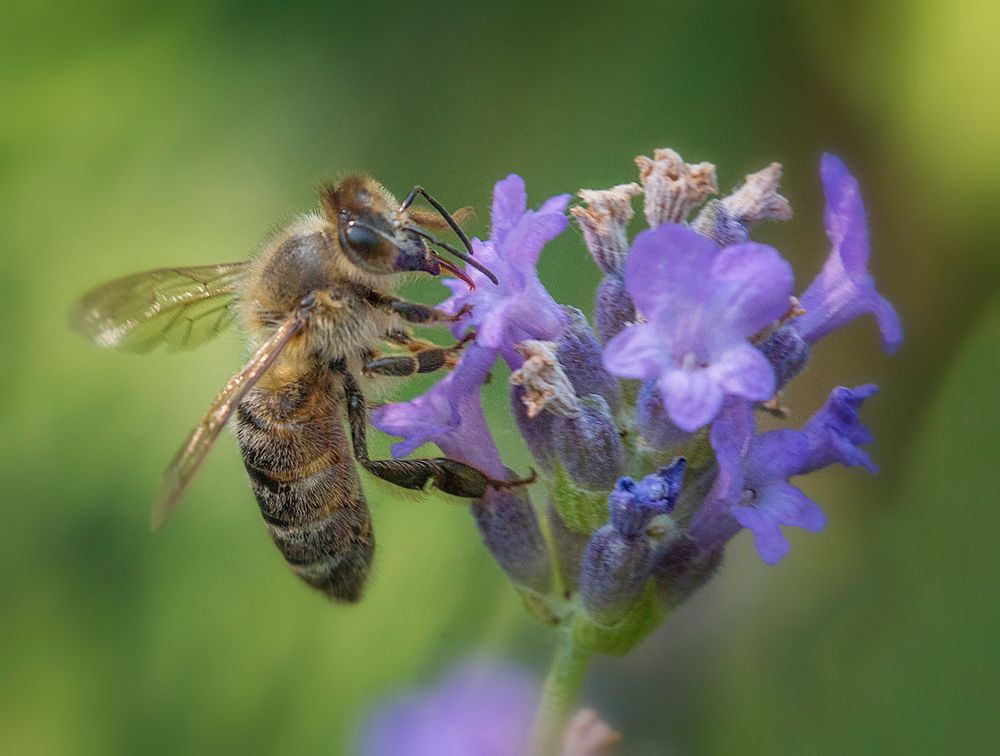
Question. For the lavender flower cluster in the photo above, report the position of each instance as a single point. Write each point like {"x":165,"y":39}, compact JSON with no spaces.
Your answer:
{"x":644,"y":424}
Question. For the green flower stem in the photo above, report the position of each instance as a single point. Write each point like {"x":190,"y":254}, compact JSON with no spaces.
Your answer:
{"x":560,"y":692}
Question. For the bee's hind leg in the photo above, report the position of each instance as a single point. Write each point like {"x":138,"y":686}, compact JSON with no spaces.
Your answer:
{"x":447,"y":475}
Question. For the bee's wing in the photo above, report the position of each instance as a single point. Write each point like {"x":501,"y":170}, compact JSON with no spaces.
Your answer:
{"x":190,"y":456}
{"x":181,"y":307}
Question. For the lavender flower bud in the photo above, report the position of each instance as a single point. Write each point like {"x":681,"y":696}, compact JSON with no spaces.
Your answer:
{"x":682,"y":567}
{"x":632,"y":505}
{"x":714,"y":222}
{"x":589,"y":446}
{"x":510,"y":530}
{"x":614,"y":572}
{"x":613,"y":307}
{"x":536,"y":430}
{"x":618,"y":559}
{"x":604,"y":222}
{"x":787,"y":352}
{"x":539,"y":384}
{"x":579,"y":355}
{"x":673,"y":187}
{"x":728,"y":221}
{"x":656,"y":428}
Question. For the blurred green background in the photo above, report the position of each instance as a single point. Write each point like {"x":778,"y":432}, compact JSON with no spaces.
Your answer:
{"x":182,"y":133}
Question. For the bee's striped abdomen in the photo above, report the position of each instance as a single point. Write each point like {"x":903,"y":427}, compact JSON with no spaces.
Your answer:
{"x":297,"y":455}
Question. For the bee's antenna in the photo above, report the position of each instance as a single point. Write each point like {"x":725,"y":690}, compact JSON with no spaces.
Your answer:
{"x":468,"y":260}
{"x":440,"y":208}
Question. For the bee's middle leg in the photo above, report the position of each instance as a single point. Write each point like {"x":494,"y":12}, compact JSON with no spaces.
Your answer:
{"x":424,"y":357}
{"x":448,"y":475}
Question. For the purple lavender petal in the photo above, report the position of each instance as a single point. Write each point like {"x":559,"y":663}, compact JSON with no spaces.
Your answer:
{"x":778,"y":504}
{"x":666,"y":266}
{"x":636,"y":352}
{"x":524,"y":242}
{"x":557,"y":204}
{"x":420,"y":421}
{"x":835,"y":431}
{"x":776,"y":455}
{"x":758,"y":282}
{"x":790,"y":506}
{"x":744,"y":371}
{"x":631,"y":504}
{"x":844,"y":289}
{"x":692,"y":398}
{"x":772,"y":546}
{"x":510,"y":201}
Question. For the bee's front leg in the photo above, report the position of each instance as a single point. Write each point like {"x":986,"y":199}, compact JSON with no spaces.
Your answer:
{"x":412,"y":312}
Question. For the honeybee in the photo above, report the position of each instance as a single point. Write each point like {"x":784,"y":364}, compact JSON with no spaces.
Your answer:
{"x":315,"y":303}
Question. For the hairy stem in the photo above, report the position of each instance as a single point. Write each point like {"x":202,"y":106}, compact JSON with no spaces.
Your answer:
{"x":560,"y":692}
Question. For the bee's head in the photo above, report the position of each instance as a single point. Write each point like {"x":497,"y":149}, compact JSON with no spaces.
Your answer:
{"x":375,"y":233}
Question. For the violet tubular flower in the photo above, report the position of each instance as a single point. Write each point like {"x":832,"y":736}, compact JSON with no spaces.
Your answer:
{"x":450,"y":415}
{"x":845,"y":289}
{"x":701,"y":306}
{"x":520,"y":307}
{"x":752,"y":489}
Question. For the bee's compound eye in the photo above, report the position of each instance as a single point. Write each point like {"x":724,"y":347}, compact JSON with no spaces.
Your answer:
{"x":362,"y":239}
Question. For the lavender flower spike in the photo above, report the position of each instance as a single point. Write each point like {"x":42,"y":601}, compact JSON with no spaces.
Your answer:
{"x":520,"y":307}
{"x":701,"y":306}
{"x":844,"y":289}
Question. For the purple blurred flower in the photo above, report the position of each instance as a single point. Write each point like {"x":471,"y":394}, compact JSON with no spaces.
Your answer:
{"x":450,"y":415}
{"x":484,"y":709}
{"x":701,"y":306}
{"x":844,"y":289}
{"x":520,"y":307}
